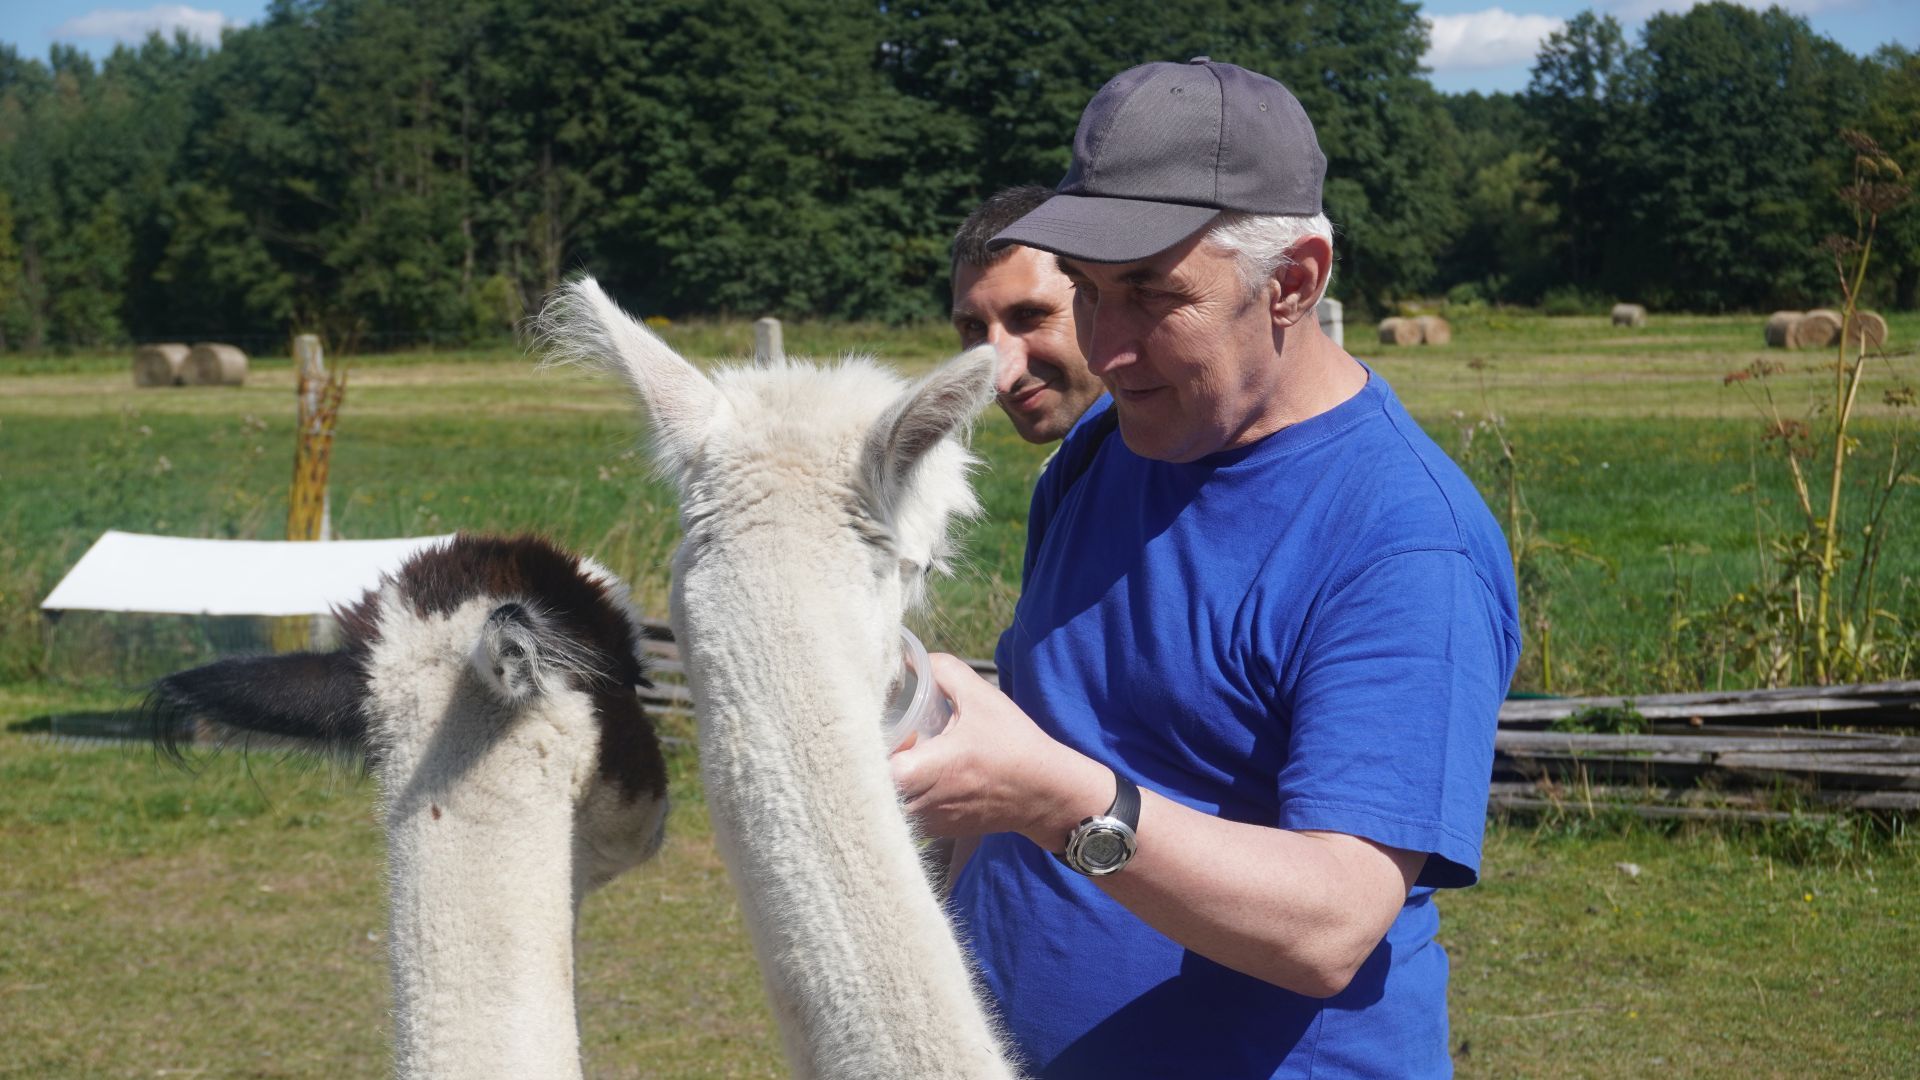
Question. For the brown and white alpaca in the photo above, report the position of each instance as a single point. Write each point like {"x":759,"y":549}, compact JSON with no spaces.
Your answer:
{"x":491,"y":686}
{"x":813,"y":503}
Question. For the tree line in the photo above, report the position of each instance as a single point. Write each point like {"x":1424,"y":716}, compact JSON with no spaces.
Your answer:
{"x":429,"y":169}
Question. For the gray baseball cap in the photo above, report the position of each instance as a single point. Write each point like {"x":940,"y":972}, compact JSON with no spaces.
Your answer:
{"x":1162,"y":149}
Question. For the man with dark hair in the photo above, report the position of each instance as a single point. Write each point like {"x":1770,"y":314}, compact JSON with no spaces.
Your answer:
{"x":1247,"y":701}
{"x":1016,"y":298}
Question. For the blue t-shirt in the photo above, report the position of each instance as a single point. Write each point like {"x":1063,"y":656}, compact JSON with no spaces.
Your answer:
{"x":1311,"y":632}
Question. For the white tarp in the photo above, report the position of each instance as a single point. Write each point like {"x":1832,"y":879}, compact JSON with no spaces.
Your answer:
{"x":181,"y":576}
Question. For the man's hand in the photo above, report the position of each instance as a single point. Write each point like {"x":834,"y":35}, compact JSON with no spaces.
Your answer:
{"x":993,"y":769}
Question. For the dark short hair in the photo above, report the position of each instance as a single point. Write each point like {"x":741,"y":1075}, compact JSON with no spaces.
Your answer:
{"x":997,"y":212}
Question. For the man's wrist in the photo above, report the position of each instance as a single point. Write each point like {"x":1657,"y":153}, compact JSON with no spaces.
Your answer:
{"x":1077,"y":787}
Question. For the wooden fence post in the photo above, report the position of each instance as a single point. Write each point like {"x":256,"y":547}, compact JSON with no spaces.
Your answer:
{"x":309,"y":508}
{"x":310,"y":365}
{"x":768,"y":349}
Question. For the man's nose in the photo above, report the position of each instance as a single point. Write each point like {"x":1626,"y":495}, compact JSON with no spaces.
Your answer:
{"x":1013,"y":358}
{"x":1106,"y":340}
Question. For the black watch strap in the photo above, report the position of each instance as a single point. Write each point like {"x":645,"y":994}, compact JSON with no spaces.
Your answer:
{"x":1126,"y":801}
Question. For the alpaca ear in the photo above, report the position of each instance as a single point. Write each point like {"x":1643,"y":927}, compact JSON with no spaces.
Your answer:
{"x":313,"y":696}
{"x":507,"y":656}
{"x":582,"y":325}
{"x":932,"y":409}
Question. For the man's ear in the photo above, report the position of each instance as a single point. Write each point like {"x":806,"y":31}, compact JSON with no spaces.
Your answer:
{"x":1296,"y":287}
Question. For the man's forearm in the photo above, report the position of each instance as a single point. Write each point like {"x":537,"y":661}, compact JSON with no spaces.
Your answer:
{"x":1301,"y":910}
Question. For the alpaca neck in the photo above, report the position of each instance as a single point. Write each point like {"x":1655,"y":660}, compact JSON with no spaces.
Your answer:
{"x":860,"y":961}
{"x":483,"y":904}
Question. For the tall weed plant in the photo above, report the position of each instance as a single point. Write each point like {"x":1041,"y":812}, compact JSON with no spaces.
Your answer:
{"x":1818,"y":611}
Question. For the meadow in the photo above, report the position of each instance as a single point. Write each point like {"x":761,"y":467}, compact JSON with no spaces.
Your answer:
{"x":228,"y":922}
{"x":1644,"y":477}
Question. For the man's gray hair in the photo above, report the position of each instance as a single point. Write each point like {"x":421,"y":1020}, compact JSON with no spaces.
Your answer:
{"x":1263,"y":243}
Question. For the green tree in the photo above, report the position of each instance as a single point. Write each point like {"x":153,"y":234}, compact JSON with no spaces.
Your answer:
{"x":760,"y":197}
{"x":87,"y":155}
{"x":1581,"y":102}
{"x":1734,"y":184}
{"x":1505,"y":247}
{"x":1017,"y":73}
{"x":556,"y":134}
{"x":1894,"y":119}
{"x":1509,"y":216}
{"x":146,"y":114}
{"x":89,"y":277}
{"x":9,"y":266}
{"x":217,"y":273}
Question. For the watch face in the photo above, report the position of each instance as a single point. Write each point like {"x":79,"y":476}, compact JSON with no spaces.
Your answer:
{"x":1103,"y":848}
{"x":1100,"y":846}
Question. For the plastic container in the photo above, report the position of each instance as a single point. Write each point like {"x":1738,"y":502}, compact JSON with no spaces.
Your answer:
{"x":917,"y":710}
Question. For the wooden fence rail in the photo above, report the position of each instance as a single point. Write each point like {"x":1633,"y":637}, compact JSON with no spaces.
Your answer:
{"x":1732,"y":754}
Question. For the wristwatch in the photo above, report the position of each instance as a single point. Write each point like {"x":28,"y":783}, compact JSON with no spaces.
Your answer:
{"x":1102,"y":844}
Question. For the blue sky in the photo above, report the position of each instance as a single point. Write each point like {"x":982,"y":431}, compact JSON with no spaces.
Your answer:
{"x":1477,"y":45}
{"x":1484,"y":46}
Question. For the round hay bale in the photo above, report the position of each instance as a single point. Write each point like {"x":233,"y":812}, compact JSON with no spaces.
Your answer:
{"x":1434,"y":330}
{"x":212,"y":364}
{"x":159,"y":365}
{"x":1868,"y":325}
{"x":1629,"y":315}
{"x":1397,"y":331}
{"x":1780,"y":328}
{"x":1817,"y":330}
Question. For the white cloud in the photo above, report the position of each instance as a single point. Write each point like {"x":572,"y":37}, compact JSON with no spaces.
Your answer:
{"x":1487,"y":39}
{"x":133,"y":26}
{"x":1634,"y":12}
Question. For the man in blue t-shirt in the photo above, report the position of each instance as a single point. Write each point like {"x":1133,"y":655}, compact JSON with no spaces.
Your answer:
{"x":1248,"y":699}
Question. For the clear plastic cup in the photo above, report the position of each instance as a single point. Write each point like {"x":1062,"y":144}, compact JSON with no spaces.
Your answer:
{"x":917,"y":710}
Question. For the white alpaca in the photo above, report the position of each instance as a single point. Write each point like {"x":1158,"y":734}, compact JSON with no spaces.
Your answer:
{"x":813,"y":503}
{"x":491,"y":685}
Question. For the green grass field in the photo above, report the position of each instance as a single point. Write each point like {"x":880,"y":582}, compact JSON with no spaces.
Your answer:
{"x":1631,"y":451}
{"x":229,"y":923}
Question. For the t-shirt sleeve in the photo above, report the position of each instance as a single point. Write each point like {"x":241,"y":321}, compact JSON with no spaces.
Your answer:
{"x":1394,"y":703}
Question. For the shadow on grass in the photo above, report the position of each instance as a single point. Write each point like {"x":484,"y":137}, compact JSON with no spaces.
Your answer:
{"x":94,"y":724}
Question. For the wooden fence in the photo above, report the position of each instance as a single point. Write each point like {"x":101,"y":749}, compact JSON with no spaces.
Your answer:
{"x":1737,"y":754}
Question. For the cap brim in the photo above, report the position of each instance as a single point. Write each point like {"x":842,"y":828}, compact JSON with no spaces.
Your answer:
{"x":1103,"y":230}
